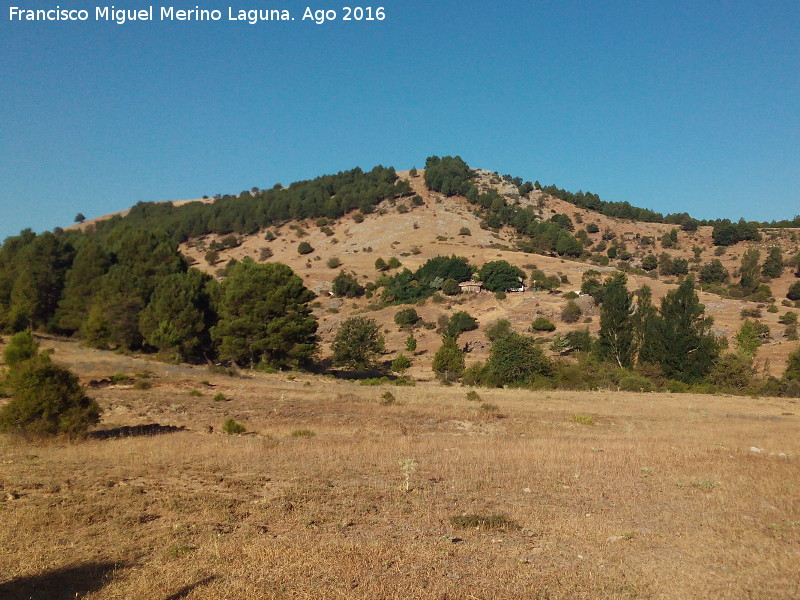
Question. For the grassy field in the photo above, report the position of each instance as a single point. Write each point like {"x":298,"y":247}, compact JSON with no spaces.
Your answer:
{"x":335,"y":492}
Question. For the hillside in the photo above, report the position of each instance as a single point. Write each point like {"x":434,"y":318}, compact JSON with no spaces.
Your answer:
{"x":432,"y":229}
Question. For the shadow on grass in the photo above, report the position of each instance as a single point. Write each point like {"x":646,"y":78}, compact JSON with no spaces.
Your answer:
{"x":133,"y":431}
{"x":186,"y":590}
{"x":66,"y":583}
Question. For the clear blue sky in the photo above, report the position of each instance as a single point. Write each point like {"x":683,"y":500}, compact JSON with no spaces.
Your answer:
{"x":676,"y":106}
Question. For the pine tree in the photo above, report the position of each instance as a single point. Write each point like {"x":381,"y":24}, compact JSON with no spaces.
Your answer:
{"x":177,"y":320}
{"x":264,"y":317}
{"x":448,"y":362}
{"x":645,"y":327}
{"x":685,"y":348}
{"x":773,"y":264}
{"x":615,"y":342}
{"x":749,"y":271}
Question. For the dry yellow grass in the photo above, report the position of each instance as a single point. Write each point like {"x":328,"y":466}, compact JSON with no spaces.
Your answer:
{"x":660,"y":498}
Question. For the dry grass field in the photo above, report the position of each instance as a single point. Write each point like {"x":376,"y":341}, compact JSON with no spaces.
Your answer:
{"x":333,"y":492}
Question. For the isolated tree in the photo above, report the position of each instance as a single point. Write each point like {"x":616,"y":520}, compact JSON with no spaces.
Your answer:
{"x":304,"y":248}
{"x":615,"y":342}
{"x":79,"y":218}
{"x":46,"y":400}
{"x":571,"y":312}
{"x":516,"y":359}
{"x":358,"y":343}
{"x":448,"y":362}
{"x":792,"y":372}
{"x":345,"y":285}
{"x":406,"y":318}
{"x":264,"y":317}
{"x":749,"y":271}
{"x":380,"y":265}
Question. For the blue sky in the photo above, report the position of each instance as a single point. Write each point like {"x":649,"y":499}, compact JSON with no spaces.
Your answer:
{"x":676,"y":106}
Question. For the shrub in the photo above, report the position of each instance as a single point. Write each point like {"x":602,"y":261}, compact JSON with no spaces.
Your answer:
{"x":345,"y":285}
{"x":401,"y":363}
{"x":358,"y":218}
{"x":794,"y":291}
{"x":47,"y":400}
{"x":464,"y":231}
{"x":500,"y":295}
{"x":635,"y":383}
{"x":571,"y":312}
{"x":305,"y":248}
{"x":388,"y":398}
{"x":583,"y":419}
{"x":334,"y":262}
{"x":458,"y":323}
{"x":358,"y":343}
{"x":498,"y":329}
{"x":21,"y":347}
{"x":755,"y":313}
{"x":302,"y":433}
{"x":232,"y":427}
{"x":473,"y":396}
{"x":450,"y":287}
{"x":220,"y":397}
{"x":448,"y":362}
{"x":406,"y":317}
{"x":411,"y":343}
{"x":485,"y":522}
{"x":542,"y":324}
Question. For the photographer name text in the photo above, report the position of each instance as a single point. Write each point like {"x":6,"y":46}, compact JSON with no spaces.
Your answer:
{"x":121,"y":16}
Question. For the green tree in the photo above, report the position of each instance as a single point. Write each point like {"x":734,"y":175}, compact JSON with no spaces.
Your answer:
{"x":500,"y":275}
{"x":714,"y":272}
{"x":264,"y":317}
{"x":773,"y":265}
{"x":406,"y":317}
{"x":749,"y":271}
{"x":358,"y":343}
{"x":91,"y":262}
{"x":345,"y":285}
{"x":450,"y":287}
{"x":47,"y":400}
{"x":794,"y":291}
{"x":448,"y":362}
{"x":792,"y":372}
{"x":571,"y":312}
{"x":304,"y":248}
{"x":401,"y":363}
{"x":178,"y":318}
{"x":21,"y":347}
{"x":616,"y":341}
{"x":542,"y":324}
{"x":649,"y":262}
{"x":750,"y":337}
{"x":411,"y":343}
{"x":645,"y":327}
{"x":516,"y":359}
{"x":79,"y":218}
{"x":458,"y":323}
{"x":685,"y":348}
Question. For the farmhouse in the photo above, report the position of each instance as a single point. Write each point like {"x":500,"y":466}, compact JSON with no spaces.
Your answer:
{"x":471,"y":286}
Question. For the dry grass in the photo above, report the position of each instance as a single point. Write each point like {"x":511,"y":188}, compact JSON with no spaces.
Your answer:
{"x":660,"y":498}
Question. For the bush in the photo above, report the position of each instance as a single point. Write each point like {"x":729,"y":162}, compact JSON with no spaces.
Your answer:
{"x":794,"y":291}
{"x":542,"y":324}
{"x":450,"y":287}
{"x":21,"y":347}
{"x":358,"y":343}
{"x":406,"y":317}
{"x":458,"y":323}
{"x":401,"y":363}
{"x":345,"y":285}
{"x":334,"y":262}
{"x":305,"y":248}
{"x":635,"y":383}
{"x":571,"y":312}
{"x":411,"y":343}
{"x":47,"y":400}
{"x":232,"y":427}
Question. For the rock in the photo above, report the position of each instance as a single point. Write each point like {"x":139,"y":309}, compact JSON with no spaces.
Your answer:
{"x":756,"y":449}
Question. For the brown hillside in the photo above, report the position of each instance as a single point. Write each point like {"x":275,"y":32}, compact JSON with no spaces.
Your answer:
{"x":433,"y":229}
